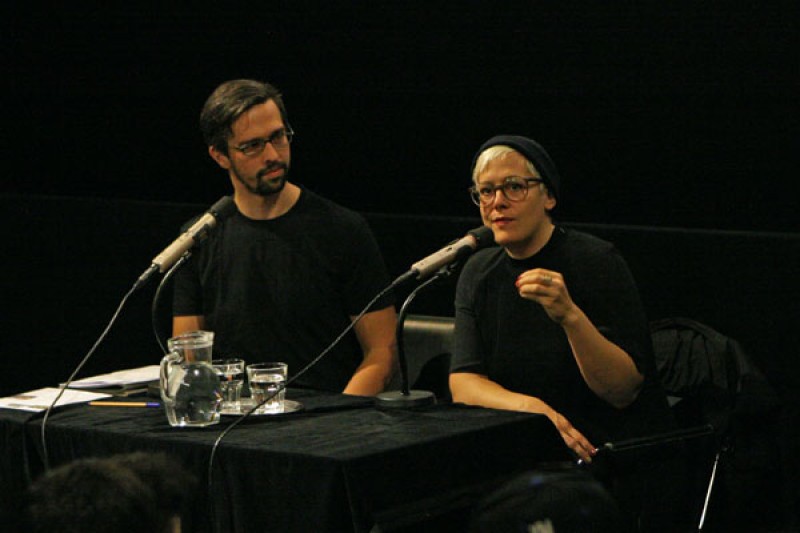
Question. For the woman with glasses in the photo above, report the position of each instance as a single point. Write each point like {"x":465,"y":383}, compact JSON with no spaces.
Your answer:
{"x":550,"y":321}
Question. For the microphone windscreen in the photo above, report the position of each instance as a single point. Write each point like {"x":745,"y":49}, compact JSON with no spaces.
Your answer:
{"x":223,"y":208}
{"x":483,"y":236}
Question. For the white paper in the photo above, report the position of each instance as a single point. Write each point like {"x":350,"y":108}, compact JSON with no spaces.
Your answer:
{"x":40,"y":399}
{"x":120,"y":378}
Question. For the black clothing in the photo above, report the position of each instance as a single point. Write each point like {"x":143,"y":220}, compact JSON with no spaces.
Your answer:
{"x":513,"y":342}
{"x":284,"y":289}
{"x":533,"y":152}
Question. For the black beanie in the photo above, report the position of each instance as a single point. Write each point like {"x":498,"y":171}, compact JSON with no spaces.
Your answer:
{"x":534,"y":153}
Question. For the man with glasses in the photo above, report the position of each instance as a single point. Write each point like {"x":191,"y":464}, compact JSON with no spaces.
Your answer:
{"x":550,"y":321}
{"x":283,"y":277}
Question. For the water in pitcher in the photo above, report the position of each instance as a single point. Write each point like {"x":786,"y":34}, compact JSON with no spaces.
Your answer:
{"x":189,"y":386}
{"x":197,"y":399}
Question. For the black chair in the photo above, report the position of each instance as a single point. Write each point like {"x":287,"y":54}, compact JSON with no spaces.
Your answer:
{"x":712,"y":383}
{"x":721,"y":403}
{"x":428,"y":343}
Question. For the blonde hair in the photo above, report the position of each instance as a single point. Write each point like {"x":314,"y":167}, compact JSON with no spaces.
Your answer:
{"x":496,"y":152}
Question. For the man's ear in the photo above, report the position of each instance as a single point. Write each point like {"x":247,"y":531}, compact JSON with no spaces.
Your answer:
{"x":222,"y":159}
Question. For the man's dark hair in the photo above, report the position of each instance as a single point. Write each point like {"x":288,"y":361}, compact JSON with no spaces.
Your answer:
{"x":560,"y":499}
{"x":170,"y":483}
{"x":228,"y":102}
{"x":136,"y":492}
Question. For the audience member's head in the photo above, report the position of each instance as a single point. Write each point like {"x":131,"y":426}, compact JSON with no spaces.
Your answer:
{"x":559,"y":501}
{"x":137,"y":492}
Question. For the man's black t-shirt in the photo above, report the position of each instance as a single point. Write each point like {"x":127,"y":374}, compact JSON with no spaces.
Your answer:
{"x":284,"y":289}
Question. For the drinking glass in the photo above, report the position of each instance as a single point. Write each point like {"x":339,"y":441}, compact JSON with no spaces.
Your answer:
{"x":231,"y":381}
{"x":264,"y":380}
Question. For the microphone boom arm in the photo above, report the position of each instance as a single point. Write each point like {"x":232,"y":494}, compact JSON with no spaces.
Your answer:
{"x":401,"y":319}
{"x":407,"y":397}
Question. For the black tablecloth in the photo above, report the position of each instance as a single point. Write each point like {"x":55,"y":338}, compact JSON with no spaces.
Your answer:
{"x":340,"y":464}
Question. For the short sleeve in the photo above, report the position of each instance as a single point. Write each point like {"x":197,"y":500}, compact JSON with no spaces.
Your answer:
{"x":467,"y":350}
{"x":367,"y":274}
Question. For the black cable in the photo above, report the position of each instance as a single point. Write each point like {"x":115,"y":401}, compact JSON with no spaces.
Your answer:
{"x":302,"y":371}
{"x":63,"y":387}
{"x":156,"y":297}
{"x":225,"y":206}
{"x":139,"y":283}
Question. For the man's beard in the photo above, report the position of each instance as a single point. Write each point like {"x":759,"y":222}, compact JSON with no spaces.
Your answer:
{"x":266,"y":187}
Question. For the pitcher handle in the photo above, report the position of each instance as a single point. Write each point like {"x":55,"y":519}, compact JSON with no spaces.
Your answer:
{"x":167,"y":361}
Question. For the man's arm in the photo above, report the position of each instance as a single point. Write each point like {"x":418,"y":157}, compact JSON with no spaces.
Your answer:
{"x":477,"y":389}
{"x":182,"y":324}
{"x":376,"y":334}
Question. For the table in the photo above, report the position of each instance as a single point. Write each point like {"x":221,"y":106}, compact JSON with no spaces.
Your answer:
{"x":338,"y":465}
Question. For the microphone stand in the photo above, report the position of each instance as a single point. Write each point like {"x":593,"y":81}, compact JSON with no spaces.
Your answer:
{"x":154,"y":308}
{"x":406,"y":398}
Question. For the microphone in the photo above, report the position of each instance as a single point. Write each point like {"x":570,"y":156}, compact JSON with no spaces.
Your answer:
{"x":474,"y":240}
{"x":197,"y":233}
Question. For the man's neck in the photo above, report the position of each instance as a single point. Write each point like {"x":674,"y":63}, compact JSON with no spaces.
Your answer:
{"x":257,"y":207}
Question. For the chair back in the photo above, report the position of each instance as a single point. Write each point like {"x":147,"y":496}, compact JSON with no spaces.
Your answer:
{"x":710,"y":379}
{"x":427,"y":345}
{"x":708,"y":375}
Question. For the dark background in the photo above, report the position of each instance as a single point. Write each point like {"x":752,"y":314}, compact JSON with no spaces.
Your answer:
{"x":674,"y":125}
{"x":680,"y":115}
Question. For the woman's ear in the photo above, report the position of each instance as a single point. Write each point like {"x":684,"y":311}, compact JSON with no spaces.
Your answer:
{"x":550,"y":202}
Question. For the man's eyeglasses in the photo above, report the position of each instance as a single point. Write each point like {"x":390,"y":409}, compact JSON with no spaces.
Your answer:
{"x":280,"y":139}
{"x":514,"y":188}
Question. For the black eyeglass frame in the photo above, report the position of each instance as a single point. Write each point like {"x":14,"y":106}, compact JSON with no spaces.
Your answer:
{"x":475,"y":192}
{"x":254,"y":147}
